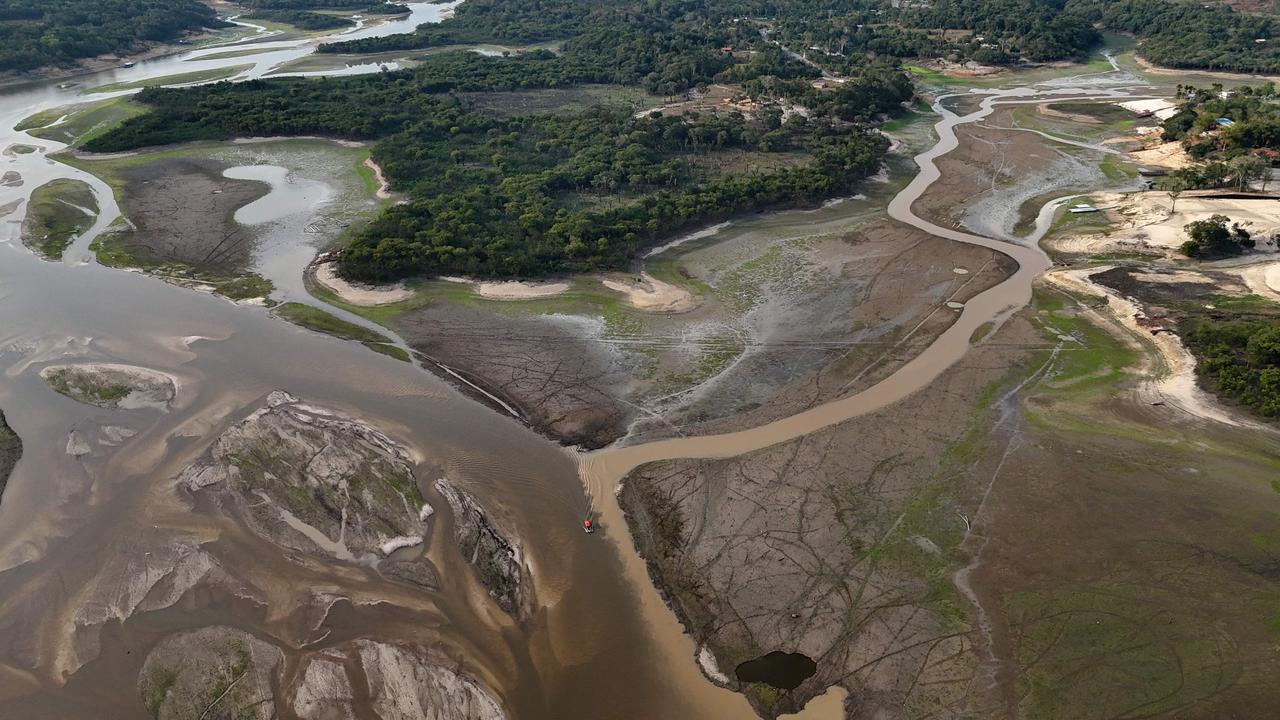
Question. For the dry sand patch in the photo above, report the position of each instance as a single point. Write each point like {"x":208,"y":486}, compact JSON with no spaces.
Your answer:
{"x":357,"y":293}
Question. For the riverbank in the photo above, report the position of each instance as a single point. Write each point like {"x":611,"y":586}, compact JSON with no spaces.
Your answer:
{"x":942,"y":502}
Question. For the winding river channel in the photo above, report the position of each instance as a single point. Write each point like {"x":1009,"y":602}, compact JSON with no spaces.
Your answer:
{"x":603,"y":645}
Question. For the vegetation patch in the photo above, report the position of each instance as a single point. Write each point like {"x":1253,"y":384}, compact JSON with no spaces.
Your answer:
{"x":35,"y":33}
{"x":1238,"y":356}
{"x":86,"y":387}
{"x":197,"y":76}
{"x":321,"y":321}
{"x":58,"y":212}
{"x":10,"y":451}
{"x":389,"y":350}
{"x":568,"y":101}
{"x":91,"y":121}
{"x":41,"y":119}
{"x":301,"y":19}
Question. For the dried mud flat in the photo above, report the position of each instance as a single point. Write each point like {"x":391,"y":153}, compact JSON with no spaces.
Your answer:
{"x":872,"y":296}
{"x":545,"y":367}
{"x":834,"y":545}
{"x":180,"y":210}
{"x":920,"y":554}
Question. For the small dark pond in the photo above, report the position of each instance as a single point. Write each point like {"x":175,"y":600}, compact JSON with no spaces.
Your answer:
{"x":782,"y":670}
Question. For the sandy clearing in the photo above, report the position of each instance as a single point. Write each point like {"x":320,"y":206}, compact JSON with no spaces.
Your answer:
{"x":1145,"y":223}
{"x":1262,"y":214}
{"x":966,"y":70}
{"x":1170,"y":155}
{"x":384,"y":188}
{"x":1175,"y":383}
{"x":518,"y":290}
{"x":362,"y":295}
{"x":707,"y":660}
{"x":651,"y":294}
{"x":1262,"y":279}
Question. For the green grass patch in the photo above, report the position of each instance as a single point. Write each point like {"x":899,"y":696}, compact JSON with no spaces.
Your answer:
{"x":981,"y":332}
{"x":113,"y":249}
{"x":1117,"y":170}
{"x":935,"y":77}
{"x":41,"y":119}
{"x":1104,"y":112}
{"x":1112,"y":647}
{"x":55,"y":216}
{"x":900,"y":123}
{"x":197,"y":76}
{"x":389,"y":350}
{"x":246,"y":287}
{"x":89,"y":122}
{"x":232,"y":54}
{"x":1090,"y":359}
{"x":163,"y":679}
{"x":560,"y":100}
{"x":321,"y":321}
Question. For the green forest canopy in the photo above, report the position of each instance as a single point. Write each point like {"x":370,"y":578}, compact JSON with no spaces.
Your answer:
{"x":837,"y":33}
{"x":1239,"y":357}
{"x":521,"y":195}
{"x":302,"y":19}
{"x":35,"y":33}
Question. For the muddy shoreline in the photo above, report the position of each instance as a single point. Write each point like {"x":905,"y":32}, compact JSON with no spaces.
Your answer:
{"x":10,"y":452}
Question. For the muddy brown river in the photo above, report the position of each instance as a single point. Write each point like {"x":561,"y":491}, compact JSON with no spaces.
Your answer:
{"x":601,"y":644}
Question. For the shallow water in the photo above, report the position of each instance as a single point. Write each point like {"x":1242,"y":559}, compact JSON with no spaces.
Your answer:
{"x":61,"y":513}
{"x":782,"y":670}
{"x":603,"y":638}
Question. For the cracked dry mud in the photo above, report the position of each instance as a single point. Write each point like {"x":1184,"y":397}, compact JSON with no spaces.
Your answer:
{"x":835,"y":545}
{"x":312,"y":480}
{"x":869,"y":297}
{"x":180,"y":211}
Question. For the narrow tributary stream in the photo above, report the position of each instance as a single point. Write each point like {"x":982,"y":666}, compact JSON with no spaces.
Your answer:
{"x":602,"y":471}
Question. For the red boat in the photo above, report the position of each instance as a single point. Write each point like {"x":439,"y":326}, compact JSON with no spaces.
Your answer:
{"x":586,"y":526}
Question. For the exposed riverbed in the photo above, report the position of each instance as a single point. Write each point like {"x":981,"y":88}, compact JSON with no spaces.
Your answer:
{"x":599,"y":637}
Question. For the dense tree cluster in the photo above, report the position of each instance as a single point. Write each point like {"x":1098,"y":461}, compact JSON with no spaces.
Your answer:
{"x":530,"y":195}
{"x":500,"y":21}
{"x":34,"y":33}
{"x":1216,"y":237}
{"x":302,"y":19}
{"x":1240,"y":359}
{"x":489,"y":201}
{"x":1184,"y":34}
{"x":514,"y":196}
{"x":352,"y":5}
{"x":1236,"y":134}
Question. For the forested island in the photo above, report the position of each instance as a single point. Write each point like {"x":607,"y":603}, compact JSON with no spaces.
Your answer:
{"x":36,"y":33}
{"x":530,"y":195}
